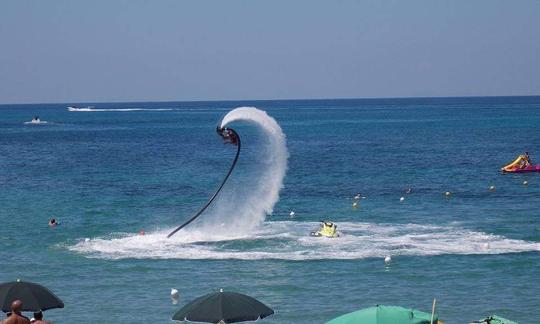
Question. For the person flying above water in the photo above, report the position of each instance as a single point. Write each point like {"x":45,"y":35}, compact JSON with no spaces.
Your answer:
{"x":228,"y":135}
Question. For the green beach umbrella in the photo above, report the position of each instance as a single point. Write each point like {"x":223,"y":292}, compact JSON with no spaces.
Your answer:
{"x":381,"y":314}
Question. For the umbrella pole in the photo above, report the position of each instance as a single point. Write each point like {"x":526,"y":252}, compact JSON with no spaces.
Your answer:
{"x":433,"y":310}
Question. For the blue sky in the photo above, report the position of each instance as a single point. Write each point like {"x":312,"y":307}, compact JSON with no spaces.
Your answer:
{"x":132,"y":50}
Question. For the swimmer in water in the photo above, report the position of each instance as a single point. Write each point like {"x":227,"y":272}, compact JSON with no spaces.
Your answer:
{"x":53,"y":222}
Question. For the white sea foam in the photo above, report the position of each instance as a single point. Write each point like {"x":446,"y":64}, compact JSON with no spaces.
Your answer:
{"x":289,"y":240}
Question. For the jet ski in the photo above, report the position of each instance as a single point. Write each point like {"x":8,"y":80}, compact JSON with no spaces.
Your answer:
{"x":35,"y":121}
{"x":327,"y":229}
{"x":521,"y":164}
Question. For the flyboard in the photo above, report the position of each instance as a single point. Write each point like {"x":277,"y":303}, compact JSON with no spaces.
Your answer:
{"x":263,"y":190}
{"x":229,"y":135}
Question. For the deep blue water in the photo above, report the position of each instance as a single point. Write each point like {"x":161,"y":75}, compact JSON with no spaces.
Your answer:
{"x":107,"y":175}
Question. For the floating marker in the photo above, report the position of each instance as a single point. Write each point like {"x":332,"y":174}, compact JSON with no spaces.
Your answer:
{"x":174,"y":293}
{"x":448,"y":194}
{"x":402,"y":199}
{"x":292,"y":214}
{"x":388,"y":259}
{"x":492,"y":188}
{"x":525,"y":182}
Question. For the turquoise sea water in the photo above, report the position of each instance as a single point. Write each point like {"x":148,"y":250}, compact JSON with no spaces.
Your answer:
{"x":106,"y":175}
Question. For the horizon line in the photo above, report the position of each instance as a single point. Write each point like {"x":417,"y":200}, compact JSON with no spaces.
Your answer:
{"x":277,"y":99}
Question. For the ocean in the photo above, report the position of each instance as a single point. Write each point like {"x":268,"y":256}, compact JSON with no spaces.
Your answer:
{"x":121,"y":168}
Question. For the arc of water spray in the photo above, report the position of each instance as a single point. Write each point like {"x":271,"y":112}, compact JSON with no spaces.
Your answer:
{"x":231,"y":136}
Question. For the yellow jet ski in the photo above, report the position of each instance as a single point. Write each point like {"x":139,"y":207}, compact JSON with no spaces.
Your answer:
{"x":327,"y":229}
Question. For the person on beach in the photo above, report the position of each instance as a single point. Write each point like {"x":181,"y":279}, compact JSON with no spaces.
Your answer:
{"x":38,"y":319}
{"x":16,"y":317}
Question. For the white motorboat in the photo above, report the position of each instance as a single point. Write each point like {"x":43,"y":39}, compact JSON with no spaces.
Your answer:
{"x":75,"y":108}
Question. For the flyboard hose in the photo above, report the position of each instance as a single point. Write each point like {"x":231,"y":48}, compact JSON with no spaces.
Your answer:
{"x":229,"y":135}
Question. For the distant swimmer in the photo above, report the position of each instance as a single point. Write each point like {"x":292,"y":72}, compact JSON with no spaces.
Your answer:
{"x":359,"y":196}
{"x":408,"y":190}
{"x":53,"y":222}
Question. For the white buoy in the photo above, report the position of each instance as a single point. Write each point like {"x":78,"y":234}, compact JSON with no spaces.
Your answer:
{"x":174,"y":293}
{"x":402,"y":199}
{"x":87,"y":239}
{"x":525,"y":182}
{"x":387,"y":259}
{"x":448,"y":194}
{"x":291,"y":214}
{"x":491,"y":188}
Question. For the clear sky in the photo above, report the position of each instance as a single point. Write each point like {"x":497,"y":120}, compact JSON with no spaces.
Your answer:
{"x":133,"y":50}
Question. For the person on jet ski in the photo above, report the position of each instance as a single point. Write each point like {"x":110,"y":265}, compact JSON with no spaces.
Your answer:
{"x":327,"y":229}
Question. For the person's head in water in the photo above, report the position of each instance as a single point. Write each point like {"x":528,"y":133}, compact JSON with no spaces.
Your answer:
{"x":16,"y":306}
{"x":52,"y":222}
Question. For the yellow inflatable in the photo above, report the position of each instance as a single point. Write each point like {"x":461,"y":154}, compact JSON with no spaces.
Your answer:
{"x":520,"y":162}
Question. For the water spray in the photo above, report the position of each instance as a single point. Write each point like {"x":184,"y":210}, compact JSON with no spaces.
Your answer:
{"x":229,"y":135}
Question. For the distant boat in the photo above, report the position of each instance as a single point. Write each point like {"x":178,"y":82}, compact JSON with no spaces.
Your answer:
{"x":75,"y":108}
{"x":35,"y":121}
